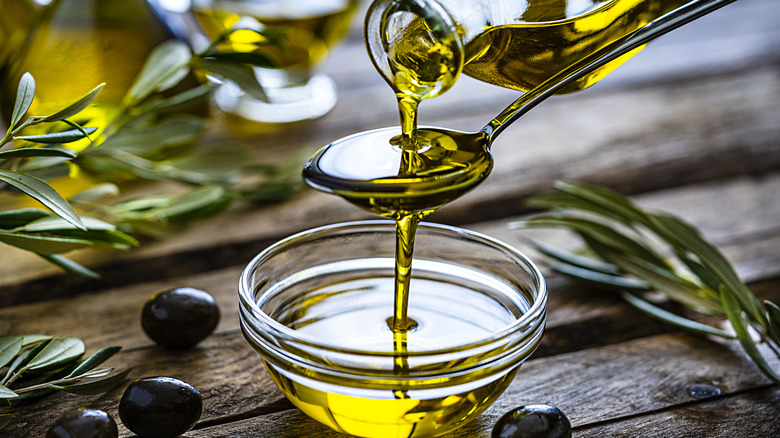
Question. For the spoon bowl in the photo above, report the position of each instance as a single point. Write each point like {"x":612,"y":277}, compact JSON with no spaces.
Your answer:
{"x":373,"y":170}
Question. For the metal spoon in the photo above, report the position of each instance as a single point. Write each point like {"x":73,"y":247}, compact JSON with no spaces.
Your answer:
{"x":364,"y":168}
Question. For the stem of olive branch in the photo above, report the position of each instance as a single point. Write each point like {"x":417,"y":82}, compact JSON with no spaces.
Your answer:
{"x":67,"y":381}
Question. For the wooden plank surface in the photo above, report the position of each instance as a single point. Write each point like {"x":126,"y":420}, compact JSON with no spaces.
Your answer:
{"x":589,"y":334}
{"x":690,"y":126}
{"x":704,"y":121}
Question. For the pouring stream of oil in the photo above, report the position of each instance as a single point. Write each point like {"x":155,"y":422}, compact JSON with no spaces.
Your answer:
{"x":408,"y":175}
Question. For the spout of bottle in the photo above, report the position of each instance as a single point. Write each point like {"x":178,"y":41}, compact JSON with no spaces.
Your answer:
{"x":415,"y":45}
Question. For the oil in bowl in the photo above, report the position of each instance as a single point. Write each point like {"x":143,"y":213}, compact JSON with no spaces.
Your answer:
{"x":316,"y":307}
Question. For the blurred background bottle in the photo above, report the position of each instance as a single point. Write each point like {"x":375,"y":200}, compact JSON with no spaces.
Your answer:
{"x":299,"y":35}
{"x":74,"y":45}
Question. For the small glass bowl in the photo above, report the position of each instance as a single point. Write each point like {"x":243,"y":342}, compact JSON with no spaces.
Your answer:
{"x":315,"y":307}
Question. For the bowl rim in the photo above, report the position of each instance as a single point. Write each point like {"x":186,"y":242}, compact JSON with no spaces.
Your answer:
{"x":532,"y":320}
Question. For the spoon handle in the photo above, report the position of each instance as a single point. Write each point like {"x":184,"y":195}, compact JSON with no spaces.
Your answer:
{"x":666,"y":23}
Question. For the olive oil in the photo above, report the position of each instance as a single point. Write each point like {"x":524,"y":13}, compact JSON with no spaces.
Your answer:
{"x":79,"y":44}
{"x":552,"y":34}
{"x":300,"y":33}
{"x":348,"y":312}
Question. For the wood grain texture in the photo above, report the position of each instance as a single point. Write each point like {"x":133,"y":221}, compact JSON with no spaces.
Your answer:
{"x":657,"y":126}
{"x":590,"y":333}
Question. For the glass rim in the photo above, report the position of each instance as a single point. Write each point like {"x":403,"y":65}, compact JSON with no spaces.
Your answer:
{"x":533,"y":319}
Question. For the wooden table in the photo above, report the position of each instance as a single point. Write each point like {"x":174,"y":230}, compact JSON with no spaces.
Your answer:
{"x":690,"y":126}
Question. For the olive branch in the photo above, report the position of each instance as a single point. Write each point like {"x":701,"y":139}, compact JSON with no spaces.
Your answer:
{"x":635,"y":251}
{"x":155,"y":137}
{"x":34,"y":366}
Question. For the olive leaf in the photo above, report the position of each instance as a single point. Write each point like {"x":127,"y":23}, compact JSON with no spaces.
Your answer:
{"x":68,"y":136}
{"x":619,"y":234}
{"x":43,"y":244}
{"x":16,"y":218}
{"x":68,"y":265}
{"x":76,"y":107}
{"x":242,"y":75}
{"x":732,"y":308}
{"x":94,"y":360}
{"x":42,"y":192}
{"x":98,"y":385}
{"x":5,"y":419}
{"x":6,"y":393}
{"x":37,"y":152}
{"x":56,"y":365}
{"x":58,"y":352}
{"x":21,"y":360}
{"x":9,"y":348}
{"x":165,"y":66}
{"x":24,"y":97}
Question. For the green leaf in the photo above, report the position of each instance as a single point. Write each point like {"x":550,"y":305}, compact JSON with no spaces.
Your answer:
{"x":573,"y":259}
{"x":22,"y":359}
{"x":56,"y":223}
{"x":167,"y":64}
{"x":58,"y":352}
{"x":604,"y":201}
{"x":152,"y":141}
{"x":68,"y":265}
{"x":599,"y":278}
{"x":5,"y":419}
{"x":76,"y":107}
{"x":734,"y":314}
{"x":24,"y":98}
{"x":6,"y":393}
{"x":33,"y":339}
{"x":43,"y":193}
{"x":96,"y":193}
{"x":676,"y":288}
{"x":96,"y":359}
{"x":10,"y":346}
{"x":599,"y":232}
{"x":97,"y":386}
{"x":43,"y":244}
{"x":198,"y":202}
{"x":685,"y":237}
{"x":17,"y":218}
{"x":673,"y":318}
{"x":773,"y":313}
{"x":37,"y":152}
{"x":243,"y":76}
{"x":178,"y":99}
{"x":68,"y":136}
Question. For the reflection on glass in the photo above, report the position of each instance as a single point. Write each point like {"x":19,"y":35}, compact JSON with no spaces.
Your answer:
{"x":296,"y":36}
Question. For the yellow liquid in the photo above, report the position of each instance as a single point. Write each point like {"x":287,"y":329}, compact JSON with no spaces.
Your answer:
{"x":77,"y":46}
{"x":409,"y":174}
{"x":348,"y":311}
{"x":553,"y":34}
{"x":303,"y":31}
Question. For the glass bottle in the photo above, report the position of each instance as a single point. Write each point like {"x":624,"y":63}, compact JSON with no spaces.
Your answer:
{"x":16,"y":16}
{"x":78,"y":44}
{"x":298,"y":36}
{"x":515,"y":44}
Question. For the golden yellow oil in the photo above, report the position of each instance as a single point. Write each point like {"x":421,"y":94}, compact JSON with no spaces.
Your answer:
{"x":549,"y":37}
{"x":349,"y":311}
{"x":370,"y":171}
{"x":302,"y":31}
{"x":15,"y":20}
{"x":79,"y":44}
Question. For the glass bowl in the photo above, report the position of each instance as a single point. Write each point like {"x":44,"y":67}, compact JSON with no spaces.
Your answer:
{"x":315,"y":307}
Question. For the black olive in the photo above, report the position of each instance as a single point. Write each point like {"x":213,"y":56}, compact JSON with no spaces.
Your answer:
{"x":179,"y":318}
{"x":160,"y":407}
{"x":84,"y":423}
{"x":533,"y":421}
